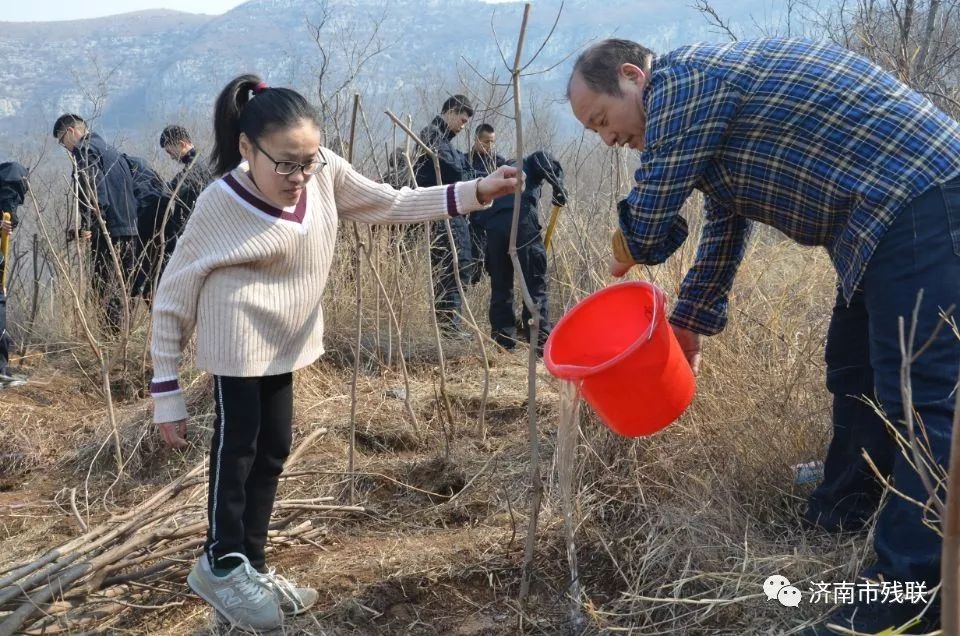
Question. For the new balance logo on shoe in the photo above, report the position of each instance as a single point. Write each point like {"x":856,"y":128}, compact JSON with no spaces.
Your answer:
{"x":241,"y":597}
{"x":228,"y":597}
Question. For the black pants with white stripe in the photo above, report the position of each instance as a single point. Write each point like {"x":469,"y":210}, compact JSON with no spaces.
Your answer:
{"x":251,"y":440}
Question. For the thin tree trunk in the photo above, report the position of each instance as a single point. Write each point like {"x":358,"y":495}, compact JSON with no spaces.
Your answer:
{"x":950,"y":562}
{"x":35,"y":301}
{"x":359,"y":328}
{"x":87,"y":332}
{"x":533,"y":432}
{"x":471,"y":320}
{"x":932,"y":12}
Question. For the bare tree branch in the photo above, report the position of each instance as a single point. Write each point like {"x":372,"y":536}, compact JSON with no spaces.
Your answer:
{"x":711,"y":15}
{"x":545,"y":40}
{"x":925,"y":41}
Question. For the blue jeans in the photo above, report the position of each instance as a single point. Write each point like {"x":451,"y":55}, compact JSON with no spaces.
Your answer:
{"x":921,"y":250}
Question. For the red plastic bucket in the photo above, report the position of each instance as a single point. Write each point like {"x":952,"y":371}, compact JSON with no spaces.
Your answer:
{"x":617,"y":345}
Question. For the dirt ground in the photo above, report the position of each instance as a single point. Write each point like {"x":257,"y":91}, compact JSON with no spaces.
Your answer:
{"x":438,"y":549}
{"x":677,"y":532}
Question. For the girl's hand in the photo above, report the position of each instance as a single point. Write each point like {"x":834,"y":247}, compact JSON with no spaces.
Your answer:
{"x":496,"y":184}
{"x":174,"y":434}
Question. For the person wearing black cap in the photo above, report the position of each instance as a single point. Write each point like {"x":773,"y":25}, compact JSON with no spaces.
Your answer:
{"x":13,"y":189}
{"x":454,"y":116}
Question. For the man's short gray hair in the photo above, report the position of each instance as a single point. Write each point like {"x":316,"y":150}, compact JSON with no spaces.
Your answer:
{"x":598,"y":65}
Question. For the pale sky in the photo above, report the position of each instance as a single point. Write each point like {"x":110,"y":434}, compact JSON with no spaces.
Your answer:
{"x":74,"y":10}
{"x":46,"y":10}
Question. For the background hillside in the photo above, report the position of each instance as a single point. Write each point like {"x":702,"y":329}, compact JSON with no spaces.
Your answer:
{"x":138,"y":70}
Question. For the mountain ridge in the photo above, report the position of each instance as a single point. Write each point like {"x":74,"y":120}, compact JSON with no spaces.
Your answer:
{"x":142,"y":68}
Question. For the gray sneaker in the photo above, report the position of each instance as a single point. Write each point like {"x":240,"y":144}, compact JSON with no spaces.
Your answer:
{"x":10,"y":380}
{"x":293,"y":600}
{"x":240,"y":597}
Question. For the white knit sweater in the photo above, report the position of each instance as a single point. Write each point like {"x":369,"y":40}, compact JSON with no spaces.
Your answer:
{"x":249,"y":276}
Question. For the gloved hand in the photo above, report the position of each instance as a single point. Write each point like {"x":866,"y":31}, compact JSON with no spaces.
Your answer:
{"x":622,"y":260}
{"x":559,"y":198}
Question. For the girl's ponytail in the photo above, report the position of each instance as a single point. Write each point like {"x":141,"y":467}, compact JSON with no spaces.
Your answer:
{"x":226,"y":122}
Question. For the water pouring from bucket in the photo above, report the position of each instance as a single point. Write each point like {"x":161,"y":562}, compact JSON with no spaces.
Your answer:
{"x":618,"y":347}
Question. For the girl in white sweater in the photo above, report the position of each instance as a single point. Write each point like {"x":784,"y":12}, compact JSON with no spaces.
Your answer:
{"x":248,"y":274}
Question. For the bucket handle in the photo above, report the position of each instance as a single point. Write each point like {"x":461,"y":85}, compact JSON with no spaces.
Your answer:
{"x":575,"y":372}
{"x":659,"y":296}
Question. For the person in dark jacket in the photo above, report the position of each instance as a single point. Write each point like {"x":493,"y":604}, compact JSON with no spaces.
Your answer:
{"x":162,"y":223}
{"x":13,"y":190}
{"x":538,"y":168}
{"x":187,"y":185}
{"x":108,"y":210}
{"x":153,"y":201}
{"x":455,"y":113}
{"x":482,"y":160}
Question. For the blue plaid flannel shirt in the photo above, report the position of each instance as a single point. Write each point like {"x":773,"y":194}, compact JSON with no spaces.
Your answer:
{"x":804,"y":136}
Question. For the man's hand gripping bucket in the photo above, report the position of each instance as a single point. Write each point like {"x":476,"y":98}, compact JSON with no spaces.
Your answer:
{"x":617,"y":345}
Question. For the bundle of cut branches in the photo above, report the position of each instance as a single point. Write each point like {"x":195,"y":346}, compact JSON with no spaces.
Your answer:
{"x":135,"y":560}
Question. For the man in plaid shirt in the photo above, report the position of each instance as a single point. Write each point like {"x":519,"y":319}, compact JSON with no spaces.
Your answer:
{"x":831,"y":150}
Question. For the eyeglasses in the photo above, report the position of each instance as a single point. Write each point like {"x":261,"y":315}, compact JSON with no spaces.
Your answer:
{"x":287,"y":168}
